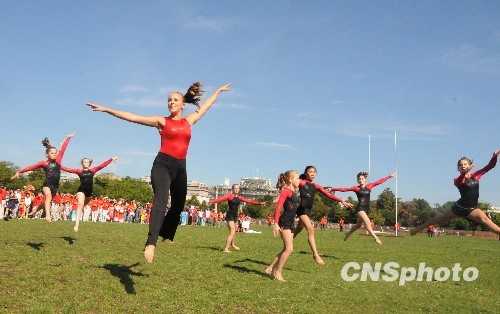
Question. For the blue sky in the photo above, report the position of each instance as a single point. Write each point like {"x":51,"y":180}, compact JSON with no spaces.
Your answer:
{"x":311,"y":81}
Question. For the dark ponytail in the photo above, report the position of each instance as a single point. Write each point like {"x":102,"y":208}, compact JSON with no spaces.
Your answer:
{"x":304,"y":175}
{"x":47,"y":145}
{"x":193,"y":94}
{"x":362,"y":174}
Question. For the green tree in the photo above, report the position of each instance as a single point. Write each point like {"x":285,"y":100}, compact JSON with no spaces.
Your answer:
{"x":386,"y":205}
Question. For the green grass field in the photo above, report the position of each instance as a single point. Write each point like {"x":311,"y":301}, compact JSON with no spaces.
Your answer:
{"x":48,"y":268}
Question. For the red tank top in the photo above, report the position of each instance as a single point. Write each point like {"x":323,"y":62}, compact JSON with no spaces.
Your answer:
{"x":175,"y":137}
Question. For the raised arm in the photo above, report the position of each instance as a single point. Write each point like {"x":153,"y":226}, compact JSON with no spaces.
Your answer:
{"x":251,"y":201}
{"x":103,"y":164}
{"x":493,"y":162}
{"x":327,"y":194}
{"x":153,"y":121}
{"x":219,"y":199}
{"x":64,"y":146}
{"x":379,"y":181}
{"x":198,"y":114}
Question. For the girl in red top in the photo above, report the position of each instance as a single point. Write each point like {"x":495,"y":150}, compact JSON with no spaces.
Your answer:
{"x":86,"y":175}
{"x":52,"y":168}
{"x":467,"y":184}
{"x":168,"y":173}
{"x":288,"y":201}
{"x":234,"y":199}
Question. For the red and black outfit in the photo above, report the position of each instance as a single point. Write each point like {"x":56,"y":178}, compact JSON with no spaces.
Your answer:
{"x":469,"y":189}
{"x":307,"y":190}
{"x":168,"y":176}
{"x":289,"y":201}
{"x":233,"y":202}
{"x":87,"y":176}
{"x":363,"y":193}
{"x":52,"y":168}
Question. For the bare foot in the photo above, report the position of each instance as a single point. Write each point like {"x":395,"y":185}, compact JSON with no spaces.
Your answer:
{"x":278,"y":276}
{"x":378,"y":241}
{"x":75,"y":228}
{"x":226,"y":251}
{"x":48,"y":219}
{"x":149,"y":253}
{"x":269,"y":270}
{"x":319,"y":260}
{"x":236,"y":248}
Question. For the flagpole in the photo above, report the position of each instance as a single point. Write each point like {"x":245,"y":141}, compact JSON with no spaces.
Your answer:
{"x":397,"y":176}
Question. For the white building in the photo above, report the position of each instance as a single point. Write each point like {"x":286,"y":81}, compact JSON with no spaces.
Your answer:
{"x":495,"y":209}
{"x":198,"y":190}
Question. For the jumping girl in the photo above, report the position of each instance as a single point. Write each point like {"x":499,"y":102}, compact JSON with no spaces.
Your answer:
{"x":52,"y":168}
{"x":363,"y":190}
{"x":86,"y":175}
{"x":168,"y":173}
{"x":467,"y":184}
{"x":234,"y":199}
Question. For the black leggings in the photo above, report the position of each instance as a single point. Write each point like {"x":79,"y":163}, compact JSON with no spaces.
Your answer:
{"x":167,"y":175}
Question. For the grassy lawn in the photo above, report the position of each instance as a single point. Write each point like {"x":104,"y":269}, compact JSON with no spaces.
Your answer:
{"x":48,"y":268}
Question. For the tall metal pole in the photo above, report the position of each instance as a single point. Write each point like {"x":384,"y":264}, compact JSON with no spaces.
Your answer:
{"x":397,"y":176}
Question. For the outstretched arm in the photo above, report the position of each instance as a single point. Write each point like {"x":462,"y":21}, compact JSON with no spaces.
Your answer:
{"x":219,"y":199}
{"x":493,"y":162}
{"x":153,"y":121}
{"x":71,"y":170}
{"x":36,"y":166}
{"x":344,"y":189}
{"x":379,"y":181}
{"x":64,"y":146}
{"x":198,"y":114}
{"x":250,"y":201}
{"x":103,"y":164}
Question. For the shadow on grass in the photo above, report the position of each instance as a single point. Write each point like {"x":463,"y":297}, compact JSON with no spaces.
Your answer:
{"x":213,"y":248}
{"x":70,"y":240}
{"x":35,"y":245}
{"x":251,"y":260}
{"x":247,"y":270}
{"x":124,"y":273}
{"x":322,"y":255}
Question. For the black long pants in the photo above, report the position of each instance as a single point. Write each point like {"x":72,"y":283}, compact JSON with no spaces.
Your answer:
{"x":167,"y":175}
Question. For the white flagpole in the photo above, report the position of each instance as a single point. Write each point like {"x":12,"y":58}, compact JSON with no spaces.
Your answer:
{"x":397,"y":176}
{"x":369,"y":154}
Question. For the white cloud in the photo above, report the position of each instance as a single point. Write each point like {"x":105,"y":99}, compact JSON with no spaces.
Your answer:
{"x":472,"y":59}
{"x":275,"y":145}
{"x":151,"y":102}
{"x":235,"y":106}
{"x":206,"y":23}
{"x":133,"y":89}
{"x":405,"y":130}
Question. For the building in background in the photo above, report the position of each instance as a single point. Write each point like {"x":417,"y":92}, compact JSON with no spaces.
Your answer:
{"x":198,"y":190}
